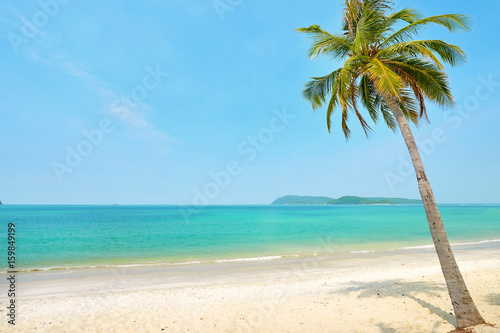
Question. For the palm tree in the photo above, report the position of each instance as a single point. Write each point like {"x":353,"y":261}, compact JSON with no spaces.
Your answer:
{"x":391,"y":75}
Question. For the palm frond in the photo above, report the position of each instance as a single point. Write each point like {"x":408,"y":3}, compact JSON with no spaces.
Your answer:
{"x":369,"y":97}
{"x":408,"y":15}
{"x":409,"y":106}
{"x":417,"y":92}
{"x":452,"y":22}
{"x":326,"y":43}
{"x":345,"y":115}
{"x":354,"y":94}
{"x":431,"y":80}
{"x":330,"y":109}
{"x":319,"y":88}
{"x":388,"y":117}
{"x":384,"y":79}
{"x":382,"y":58}
{"x":449,"y":53}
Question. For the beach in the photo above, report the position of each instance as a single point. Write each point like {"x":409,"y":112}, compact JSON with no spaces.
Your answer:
{"x":182,"y":166}
{"x":398,"y":291}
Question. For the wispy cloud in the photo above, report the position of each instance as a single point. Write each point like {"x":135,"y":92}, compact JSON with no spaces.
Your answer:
{"x":42,"y":48}
{"x":136,"y":111}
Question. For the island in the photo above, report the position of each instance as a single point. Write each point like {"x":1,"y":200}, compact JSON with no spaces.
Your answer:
{"x":345,"y":200}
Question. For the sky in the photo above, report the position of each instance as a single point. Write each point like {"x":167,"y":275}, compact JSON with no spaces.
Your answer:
{"x":199,"y":102}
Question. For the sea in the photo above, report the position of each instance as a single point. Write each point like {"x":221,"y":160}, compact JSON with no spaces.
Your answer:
{"x":83,"y":236}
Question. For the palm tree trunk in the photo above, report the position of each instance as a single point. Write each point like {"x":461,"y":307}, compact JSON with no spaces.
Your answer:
{"x":466,"y":311}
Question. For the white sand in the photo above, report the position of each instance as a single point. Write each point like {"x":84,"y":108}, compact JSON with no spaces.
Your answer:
{"x":388,"y":293}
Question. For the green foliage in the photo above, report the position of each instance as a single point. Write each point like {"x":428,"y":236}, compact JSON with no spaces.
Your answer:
{"x":398,"y":201}
{"x":382,"y":60}
{"x":300,"y":200}
{"x":345,"y":200}
{"x":351,"y":200}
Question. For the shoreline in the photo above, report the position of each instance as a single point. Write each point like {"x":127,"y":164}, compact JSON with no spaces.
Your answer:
{"x":364,"y":292}
{"x":72,"y":281}
{"x":322,"y":251}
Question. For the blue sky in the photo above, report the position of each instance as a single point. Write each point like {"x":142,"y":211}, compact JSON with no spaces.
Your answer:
{"x":199,"y":101}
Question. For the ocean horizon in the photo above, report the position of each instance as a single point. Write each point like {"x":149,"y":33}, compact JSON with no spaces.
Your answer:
{"x":83,"y":236}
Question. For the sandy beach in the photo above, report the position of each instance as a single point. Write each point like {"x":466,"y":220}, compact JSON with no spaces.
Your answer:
{"x":368,"y":292}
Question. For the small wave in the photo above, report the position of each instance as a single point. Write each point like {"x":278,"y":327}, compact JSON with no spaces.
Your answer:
{"x":453,"y":244}
{"x":478,"y":242}
{"x":25,"y":270}
{"x":60,"y":273}
{"x":188,"y":262}
{"x":194,"y":262}
{"x":418,"y":247}
{"x":47,"y":269}
{"x":363,"y":251}
{"x":250,"y":259}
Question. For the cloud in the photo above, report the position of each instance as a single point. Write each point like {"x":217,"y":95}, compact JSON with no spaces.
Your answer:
{"x":42,"y":49}
{"x":74,"y":70}
{"x":137,"y":111}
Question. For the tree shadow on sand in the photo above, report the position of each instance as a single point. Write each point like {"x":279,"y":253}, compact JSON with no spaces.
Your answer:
{"x":385,"y":328}
{"x":401,"y":289}
{"x":492,"y":298}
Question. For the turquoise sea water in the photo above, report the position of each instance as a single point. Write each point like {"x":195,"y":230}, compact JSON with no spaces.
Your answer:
{"x":68,"y":236}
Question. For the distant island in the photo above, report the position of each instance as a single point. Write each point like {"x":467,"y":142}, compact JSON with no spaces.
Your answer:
{"x":345,"y":200}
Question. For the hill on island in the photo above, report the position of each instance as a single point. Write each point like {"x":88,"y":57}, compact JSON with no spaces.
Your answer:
{"x":300,"y":200}
{"x":345,"y":200}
